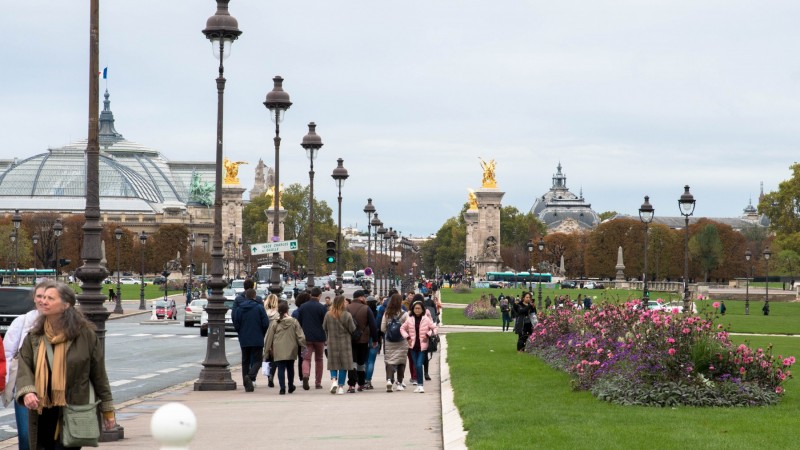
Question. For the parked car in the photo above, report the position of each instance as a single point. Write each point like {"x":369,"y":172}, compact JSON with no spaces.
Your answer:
{"x":193,"y":312}
{"x":14,"y":302}
{"x":679,"y":305}
{"x":162,"y":310}
{"x":128,"y":280}
{"x":228,"y":320}
{"x":569,"y":284}
{"x":238,"y":286}
{"x":593,"y":285}
{"x":159,"y":279}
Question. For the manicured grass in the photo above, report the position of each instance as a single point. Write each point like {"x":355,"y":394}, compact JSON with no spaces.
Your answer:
{"x":510,"y":400}
{"x":132,"y":291}
{"x":783,"y":318}
{"x":455,"y":316}
{"x":611,"y":295}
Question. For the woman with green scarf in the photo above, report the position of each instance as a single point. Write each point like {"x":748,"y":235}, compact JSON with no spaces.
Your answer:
{"x":47,"y":383}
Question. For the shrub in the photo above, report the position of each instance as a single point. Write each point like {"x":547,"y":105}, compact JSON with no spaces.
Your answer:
{"x":481,"y":309}
{"x":462,"y":288}
{"x":629,"y":355}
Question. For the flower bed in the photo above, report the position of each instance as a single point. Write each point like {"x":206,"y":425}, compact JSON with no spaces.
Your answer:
{"x":628,"y":355}
{"x":481,"y":309}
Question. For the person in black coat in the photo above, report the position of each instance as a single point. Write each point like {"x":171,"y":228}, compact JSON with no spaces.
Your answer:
{"x":523,"y":325}
{"x":251,"y":322}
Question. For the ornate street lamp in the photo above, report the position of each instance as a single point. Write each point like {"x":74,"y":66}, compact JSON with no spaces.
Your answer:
{"x":16,"y":220}
{"x":277,"y":103}
{"x":375,"y":223}
{"x":646,"y":213}
{"x":142,"y":242}
{"x":312,"y":143}
{"x":369,"y":209}
{"x":540,"y":245}
{"x":58,"y":228}
{"x":13,"y":237}
{"x":686,"y":203}
{"x":35,"y":239}
{"x":118,"y":307}
{"x":190,"y":287}
{"x":381,"y":231}
{"x":204,"y":284}
{"x":767,"y":255}
{"x":339,"y":175}
{"x":530,"y":258}
{"x":221,"y":29}
{"x":748,"y":256}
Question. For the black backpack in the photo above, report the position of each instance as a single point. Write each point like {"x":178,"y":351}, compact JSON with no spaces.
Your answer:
{"x":393,"y":330}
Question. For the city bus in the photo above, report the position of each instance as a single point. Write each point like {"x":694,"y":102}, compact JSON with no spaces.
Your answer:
{"x":518,"y":277}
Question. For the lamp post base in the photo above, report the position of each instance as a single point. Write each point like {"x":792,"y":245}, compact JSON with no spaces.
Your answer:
{"x":215,"y":379}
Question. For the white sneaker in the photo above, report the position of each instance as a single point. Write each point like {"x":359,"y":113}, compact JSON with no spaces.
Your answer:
{"x":421,"y":389}
{"x":417,"y":389}
{"x":340,"y":391}
{"x":414,"y":382}
{"x":389,"y":385}
{"x":399,"y":387}
{"x":334,"y":386}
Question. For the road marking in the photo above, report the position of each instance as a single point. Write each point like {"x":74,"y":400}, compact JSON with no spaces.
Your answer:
{"x":141,"y":335}
{"x":8,"y":428}
{"x":189,"y":365}
{"x":7,"y":412}
{"x":190,"y":336}
{"x":171,"y":369}
{"x":120,"y":382}
{"x":146,"y":376}
{"x":114,"y":334}
{"x":163,"y":335}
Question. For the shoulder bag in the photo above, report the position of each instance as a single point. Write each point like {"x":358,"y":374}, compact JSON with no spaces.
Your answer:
{"x":80,"y":426}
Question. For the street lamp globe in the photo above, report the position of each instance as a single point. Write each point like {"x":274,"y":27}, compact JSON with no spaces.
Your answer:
{"x":339,"y":174}
{"x":16,"y":219}
{"x":277,"y":101}
{"x":222,"y":29}
{"x":541,"y":244}
{"x":312,"y":142}
{"x":646,"y":211}
{"x":686,"y":202}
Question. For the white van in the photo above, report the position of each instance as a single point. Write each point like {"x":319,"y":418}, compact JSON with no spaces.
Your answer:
{"x":348,"y":276}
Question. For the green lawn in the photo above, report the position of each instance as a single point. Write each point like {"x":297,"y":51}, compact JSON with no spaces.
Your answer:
{"x":510,"y":400}
{"x":611,"y":295}
{"x":455,"y":316}
{"x":132,"y":291}
{"x":784,"y":317}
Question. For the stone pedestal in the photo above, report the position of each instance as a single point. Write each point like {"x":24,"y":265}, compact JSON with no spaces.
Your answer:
{"x":487,"y":231}
{"x":471,"y":219}
{"x":620,"y":266}
{"x":232,"y":206}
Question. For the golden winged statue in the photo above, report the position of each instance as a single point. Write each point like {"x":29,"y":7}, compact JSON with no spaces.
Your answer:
{"x":232,"y":170}
{"x":473,"y":200}
{"x":488,"y":173}
{"x":271,"y":193}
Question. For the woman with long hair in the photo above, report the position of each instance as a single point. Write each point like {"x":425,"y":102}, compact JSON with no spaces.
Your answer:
{"x":271,"y":306}
{"x":396,"y":350}
{"x":523,"y":326}
{"x":338,"y":325}
{"x":47,"y":383}
{"x":417,"y":330}
{"x":284,"y":340}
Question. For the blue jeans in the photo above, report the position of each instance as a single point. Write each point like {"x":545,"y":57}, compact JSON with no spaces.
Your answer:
{"x":285,"y":372}
{"x":373,"y":354}
{"x":418,"y":357}
{"x":21,"y":414}
{"x":340,"y":375}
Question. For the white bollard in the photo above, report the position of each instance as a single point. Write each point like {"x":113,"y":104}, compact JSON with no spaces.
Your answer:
{"x":173,"y":426}
{"x":153,"y":315}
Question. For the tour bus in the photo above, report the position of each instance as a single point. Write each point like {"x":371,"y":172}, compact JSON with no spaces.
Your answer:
{"x":519,"y":277}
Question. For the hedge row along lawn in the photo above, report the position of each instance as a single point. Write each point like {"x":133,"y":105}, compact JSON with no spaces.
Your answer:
{"x":510,"y":400}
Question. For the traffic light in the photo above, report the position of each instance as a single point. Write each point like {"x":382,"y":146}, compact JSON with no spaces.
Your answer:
{"x":330,"y":251}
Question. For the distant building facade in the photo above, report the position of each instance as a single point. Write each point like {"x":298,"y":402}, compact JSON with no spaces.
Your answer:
{"x":561,"y":210}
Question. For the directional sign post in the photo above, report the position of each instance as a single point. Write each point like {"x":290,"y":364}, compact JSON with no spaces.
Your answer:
{"x":273,"y":247}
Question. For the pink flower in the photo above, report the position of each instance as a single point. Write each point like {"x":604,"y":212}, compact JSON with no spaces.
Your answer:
{"x":675,"y":310}
{"x":686,"y":331}
{"x":715,"y":305}
{"x":671,"y":351}
{"x":742,"y":370}
{"x":779,"y":390}
{"x":671,"y":340}
{"x":711,"y":368}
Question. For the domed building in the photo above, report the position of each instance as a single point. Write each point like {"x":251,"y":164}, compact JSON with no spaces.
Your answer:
{"x":139,"y":188}
{"x":561,"y":210}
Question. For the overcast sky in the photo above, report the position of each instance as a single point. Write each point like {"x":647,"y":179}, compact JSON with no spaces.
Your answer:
{"x":632,"y":97}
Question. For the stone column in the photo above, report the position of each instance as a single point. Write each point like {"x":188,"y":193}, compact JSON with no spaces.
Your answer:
{"x":232,"y":206}
{"x":471,"y":218}
{"x":488,"y":231}
{"x":620,"y":266}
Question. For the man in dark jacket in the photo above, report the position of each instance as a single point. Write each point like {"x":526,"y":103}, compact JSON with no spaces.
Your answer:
{"x":310,"y":315}
{"x":365,"y":322}
{"x":241,"y":297}
{"x":251,"y":322}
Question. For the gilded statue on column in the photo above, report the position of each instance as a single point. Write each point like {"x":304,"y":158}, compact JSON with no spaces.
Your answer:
{"x":473,"y":200}
{"x":271,"y":193}
{"x":488,"y":173}
{"x":232,"y":171}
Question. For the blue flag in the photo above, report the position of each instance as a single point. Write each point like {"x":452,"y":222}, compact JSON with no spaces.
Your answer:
{"x":105,"y":73}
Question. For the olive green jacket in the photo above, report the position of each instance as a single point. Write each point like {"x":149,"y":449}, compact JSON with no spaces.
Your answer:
{"x":85,"y":364}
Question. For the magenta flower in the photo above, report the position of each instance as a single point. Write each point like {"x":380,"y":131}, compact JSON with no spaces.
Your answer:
{"x":671,"y":351}
{"x":715,"y":305}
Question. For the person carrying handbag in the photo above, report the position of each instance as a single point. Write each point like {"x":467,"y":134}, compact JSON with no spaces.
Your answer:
{"x":46,"y":385}
{"x":526,"y":315}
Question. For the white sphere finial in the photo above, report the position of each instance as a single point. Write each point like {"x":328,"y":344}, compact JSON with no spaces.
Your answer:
{"x":173,"y":426}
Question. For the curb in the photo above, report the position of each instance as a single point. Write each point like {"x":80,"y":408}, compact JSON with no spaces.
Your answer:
{"x":453,"y":434}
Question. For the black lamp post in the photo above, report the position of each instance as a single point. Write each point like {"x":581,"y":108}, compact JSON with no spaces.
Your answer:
{"x":767,"y":255}
{"x":375,"y":223}
{"x":13,"y":237}
{"x":204,"y":284}
{"x":58,"y":228}
{"x":747,"y":257}
{"x":646,"y":213}
{"x":118,"y":307}
{"x":390,"y":257}
{"x":369,"y":209}
{"x":312,"y":143}
{"x":540,"y":245}
{"x":221,"y":29}
{"x":142,"y":242}
{"x":530,"y":258}
{"x":277,"y":103}
{"x":380,"y":233}
{"x":16,"y":220}
{"x":190,"y":287}
{"x":35,"y":239}
{"x":686,"y":203}
{"x":339,"y":175}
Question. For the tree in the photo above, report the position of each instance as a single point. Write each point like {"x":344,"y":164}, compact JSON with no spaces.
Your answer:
{"x":706,"y":247}
{"x":449,"y":245}
{"x":660,"y":245}
{"x":601,"y":255}
{"x":788,"y":262}
{"x":516,"y":229}
{"x":782,"y":207}
{"x":164,"y":245}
